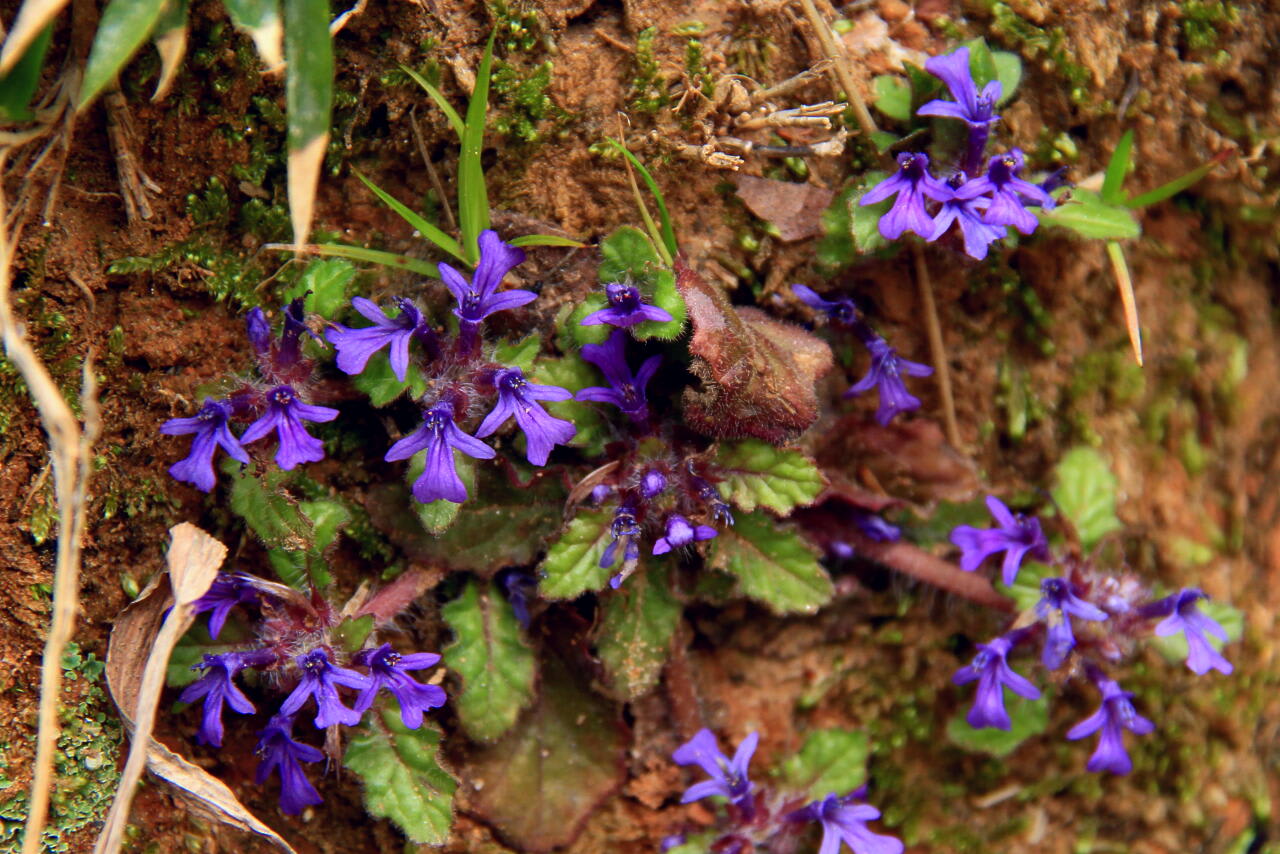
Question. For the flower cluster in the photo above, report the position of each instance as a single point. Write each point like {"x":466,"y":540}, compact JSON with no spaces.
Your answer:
{"x":294,"y":645}
{"x":887,"y":367}
{"x":761,"y":819}
{"x":982,"y":205}
{"x":1084,"y":619}
{"x":277,"y":403}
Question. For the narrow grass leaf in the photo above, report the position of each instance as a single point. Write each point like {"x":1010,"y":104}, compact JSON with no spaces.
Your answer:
{"x":546,"y":240}
{"x":420,"y":224}
{"x":309,"y":99}
{"x":34,"y":18}
{"x":369,"y":256}
{"x":1117,"y":168}
{"x":19,"y":85}
{"x":171,"y":43}
{"x":125,"y":25}
{"x":1120,"y":266}
{"x":455,"y":120}
{"x":260,"y":19}
{"x":664,"y":217}
{"x":473,"y":197}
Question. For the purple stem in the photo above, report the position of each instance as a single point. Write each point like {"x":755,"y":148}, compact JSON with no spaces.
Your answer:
{"x":977,"y":148}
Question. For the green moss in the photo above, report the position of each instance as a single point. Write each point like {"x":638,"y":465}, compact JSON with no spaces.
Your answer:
{"x":1202,"y":23}
{"x":517,"y":25}
{"x":648,"y":89}
{"x":1034,"y":42}
{"x":522,"y":104}
{"x":696,"y":68}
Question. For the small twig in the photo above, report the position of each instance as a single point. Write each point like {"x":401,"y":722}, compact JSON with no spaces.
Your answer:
{"x":934,"y":571}
{"x":134,"y":183}
{"x":840,"y":68}
{"x":792,"y":83}
{"x":69,"y":448}
{"x":605,"y":37}
{"x":936,"y":346}
{"x":431,"y":170}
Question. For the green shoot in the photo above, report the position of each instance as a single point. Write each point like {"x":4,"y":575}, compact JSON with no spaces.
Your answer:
{"x":664,"y":238}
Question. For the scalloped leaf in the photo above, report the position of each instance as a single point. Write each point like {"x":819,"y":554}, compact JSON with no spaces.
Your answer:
{"x":627,"y":255}
{"x":572,"y":565}
{"x":324,"y":284}
{"x":832,"y":761}
{"x":379,"y":382}
{"x":574,"y":373}
{"x":635,"y":633}
{"x":403,"y":778}
{"x":496,"y":666}
{"x":757,"y":474}
{"x":1085,"y":491}
{"x":773,"y":565}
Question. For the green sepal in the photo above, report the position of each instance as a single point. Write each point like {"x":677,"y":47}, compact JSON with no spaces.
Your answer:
{"x":757,"y":474}
{"x":496,"y":666}
{"x":572,"y":565}
{"x":635,"y":631}
{"x":123,"y":27}
{"x":831,"y":762}
{"x":773,"y":565}
{"x":18,"y":86}
{"x":403,"y":778}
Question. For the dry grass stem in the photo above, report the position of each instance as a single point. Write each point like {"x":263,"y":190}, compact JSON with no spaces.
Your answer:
{"x":937,"y":348}
{"x":840,"y":68}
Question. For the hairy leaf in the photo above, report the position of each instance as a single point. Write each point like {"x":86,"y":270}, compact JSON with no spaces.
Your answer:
{"x":773,"y":565}
{"x":403,"y":778}
{"x":496,"y":667}
{"x":832,"y":761}
{"x":124,"y":26}
{"x":270,"y":512}
{"x":634,"y":636}
{"x":542,"y":780}
{"x":757,"y":373}
{"x":575,"y":373}
{"x":379,"y":382}
{"x":439,"y":515}
{"x":324,"y":284}
{"x":627,"y":255}
{"x":1085,"y":491}
{"x":1089,"y":216}
{"x":759,"y":474}
{"x":170,"y":37}
{"x":864,"y":221}
{"x":572,"y":565}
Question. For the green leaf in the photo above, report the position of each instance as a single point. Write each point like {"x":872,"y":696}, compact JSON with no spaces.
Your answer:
{"x":561,"y":759}
{"x":832,"y":762}
{"x":1174,"y":647}
{"x":327,"y":518}
{"x":572,"y":565}
{"x":892,"y":97}
{"x":473,"y":198}
{"x":1008,"y":72}
{"x":325,"y":285}
{"x":428,"y":230}
{"x":1027,"y":718}
{"x":520,"y":353}
{"x":379,"y":382}
{"x":773,"y":565}
{"x":352,"y":632}
{"x":269,"y":511}
{"x":455,"y":120}
{"x":1089,"y":216}
{"x":757,"y":474}
{"x":124,"y":26}
{"x":19,"y":85}
{"x":634,"y":636}
{"x":1117,"y":168}
{"x":370,"y":256}
{"x":260,"y":19}
{"x":439,"y":515}
{"x":574,"y":374}
{"x":864,"y":221}
{"x":1171,"y":189}
{"x":1085,"y":492}
{"x":170,"y":37}
{"x":981,"y":64}
{"x":1025,"y":590}
{"x":403,"y":778}
{"x":666,"y":234}
{"x":629,"y":256}
{"x":496,"y":666}
{"x":308,"y":52}
{"x":546,"y":240}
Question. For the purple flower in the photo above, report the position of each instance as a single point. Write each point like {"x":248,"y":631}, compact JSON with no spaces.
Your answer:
{"x":681,"y":533}
{"x":1058,"y":604}
{"x":517,"y":396}
{"x":977,"y":109}
{"x":279,"y":752}
{"x":912,"y":183}
{"x":624,"y":531}
{"x":885,"y":372}
{"x":520,"y":586}
{"x":840,"y":311}
{"x":259,"y":331}
{"x":320,"y":678}
{"x":625,"y":308}
{"x":1017,"y":536}
{"x":994,"y":674}
{"x":289,"y":353}
{"x":210,"y":427}
{"x":720,"y":511}
{"x":728,"y":776}
{"x":479,"y":298}
{"x":226,"y":592}
{"x":387,"y":668}
{"x":843,"y":820}
{"x":1007,"y":191}
{"x":1115,"y":714}
{"x":875,"y":527}
{"x":626,"y":390}
{"x":1186,"y":618}
{"x":285,"y":414}
{"x":356,"y":346}
{"x":439,"y":436}
{"x":652,"y":483}
{"x":217,"y":688}
{"x":977,"y":233}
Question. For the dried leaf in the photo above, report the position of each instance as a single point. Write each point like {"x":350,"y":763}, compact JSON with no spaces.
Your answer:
{"x":794,"y":209}
{"x":132,"y":636}
{"x":758,"y":373}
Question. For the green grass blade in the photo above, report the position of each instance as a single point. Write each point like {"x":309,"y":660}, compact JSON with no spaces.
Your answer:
{"x":1117,"y":166}
{"x":668,"y":233}
{"x":455,"y":120}
{"x":125,"y":25}
{"x":308,"y":53}
{"x":19,"y":85}
{"x":473,"y":198}
{"x":426,"y":229}
{"x":546,"y":240}
{"x":1177,"y":185}
{"x":369,"y":256}
{"x":260,"y":19}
